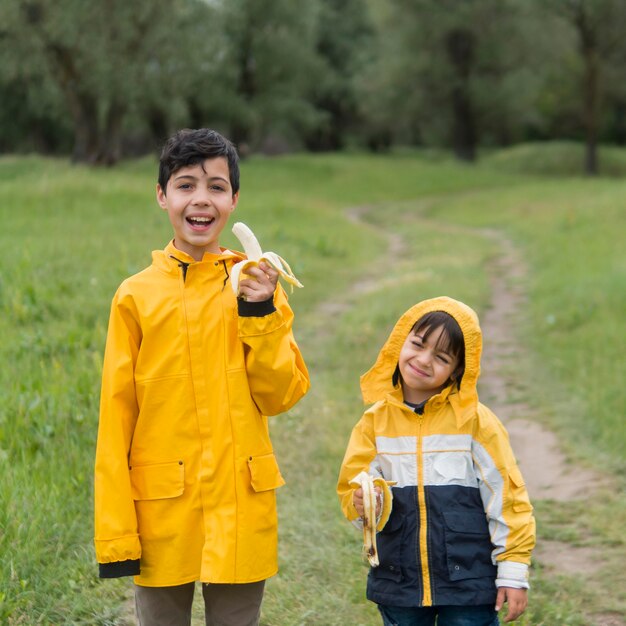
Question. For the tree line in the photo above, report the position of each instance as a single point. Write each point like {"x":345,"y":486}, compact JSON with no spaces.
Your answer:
{"x":108,"y":79}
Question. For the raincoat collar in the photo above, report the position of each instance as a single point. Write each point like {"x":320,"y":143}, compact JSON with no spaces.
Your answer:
{"x":169,"y":259}
{"x":377,"y":385}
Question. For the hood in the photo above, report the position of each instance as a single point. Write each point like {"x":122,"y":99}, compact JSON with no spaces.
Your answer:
{"x":376,"y":384}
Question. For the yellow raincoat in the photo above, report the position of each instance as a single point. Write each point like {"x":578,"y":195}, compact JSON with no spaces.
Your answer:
{"x":185,"y":474}
{"x":461,"y":521}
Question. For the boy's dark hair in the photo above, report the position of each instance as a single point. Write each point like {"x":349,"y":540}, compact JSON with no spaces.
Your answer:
{"x":451,"y":340}
{"x":190,"y":147}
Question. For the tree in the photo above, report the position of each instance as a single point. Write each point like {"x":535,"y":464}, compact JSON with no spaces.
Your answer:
{"x":599,"y":26}
{"x":344,"y":31}
{"x":101,"y":58}
{"x":447,"y":72}
{"x":31,"y":111}
{"x":271,"y":62}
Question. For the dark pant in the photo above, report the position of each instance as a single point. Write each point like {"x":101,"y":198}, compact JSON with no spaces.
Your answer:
{"x":484,"y":615}
{"x":224,"y":605}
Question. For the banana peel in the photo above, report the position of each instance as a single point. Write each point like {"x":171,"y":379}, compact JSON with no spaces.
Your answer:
{"x":371,"y":525}
{"x":369,"y":521}
{"x":255,"y":255}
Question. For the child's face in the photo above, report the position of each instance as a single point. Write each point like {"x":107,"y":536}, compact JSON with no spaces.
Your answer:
{"x":199,"y":200}
{"x":425,"y":369}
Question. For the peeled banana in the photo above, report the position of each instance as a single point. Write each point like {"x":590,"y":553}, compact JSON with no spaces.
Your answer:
{"x":369,"y":519}
{"x":255,"y":255}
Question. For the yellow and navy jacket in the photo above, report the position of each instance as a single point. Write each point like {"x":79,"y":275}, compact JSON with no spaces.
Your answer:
{"x":185,"y":473}
{"x":461,"y":523}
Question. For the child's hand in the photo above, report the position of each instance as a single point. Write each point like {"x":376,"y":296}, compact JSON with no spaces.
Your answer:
{"x":260,"y":285}
{"x":517,"y":600}
{"x":357,"y":499}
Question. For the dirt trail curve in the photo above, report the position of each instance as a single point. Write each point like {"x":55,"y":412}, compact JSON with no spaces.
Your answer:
{"x":544,"y":466}
{"x":548,"y":474}
{"x":546,"y":470}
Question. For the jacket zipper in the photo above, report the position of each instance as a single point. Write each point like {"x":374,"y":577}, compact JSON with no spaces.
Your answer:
{"x":423,"y":531}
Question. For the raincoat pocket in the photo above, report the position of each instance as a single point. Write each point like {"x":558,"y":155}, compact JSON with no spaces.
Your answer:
{"x":468,"y":545}
{"x":264,"y":473}
{"x":157,"y":480}
{"x":518,"y":495}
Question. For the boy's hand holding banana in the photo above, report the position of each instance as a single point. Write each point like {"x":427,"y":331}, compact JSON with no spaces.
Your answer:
{"x":255,"y":278}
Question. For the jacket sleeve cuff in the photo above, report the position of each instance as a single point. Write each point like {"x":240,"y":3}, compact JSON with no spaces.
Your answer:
{"x":117,"y":569}
{"x":255,"y":309}
{"x":512,"y":574}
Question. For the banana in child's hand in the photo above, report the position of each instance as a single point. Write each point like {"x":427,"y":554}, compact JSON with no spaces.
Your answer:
{"x":255,"y":255}
{"x":369,"y":519}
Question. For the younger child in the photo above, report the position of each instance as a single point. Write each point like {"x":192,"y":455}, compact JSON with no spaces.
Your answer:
{"x":185,"y":474}
{"x":458,"y":540}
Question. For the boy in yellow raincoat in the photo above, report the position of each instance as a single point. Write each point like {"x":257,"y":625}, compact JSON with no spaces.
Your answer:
{"x":185,"y":474}
{"x":456,"y":525}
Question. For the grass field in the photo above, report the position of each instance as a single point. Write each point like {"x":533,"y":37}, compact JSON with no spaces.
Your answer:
{"x":69,"y":235}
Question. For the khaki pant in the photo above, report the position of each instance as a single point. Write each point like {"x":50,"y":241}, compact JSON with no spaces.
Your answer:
{"x":224,"y":605}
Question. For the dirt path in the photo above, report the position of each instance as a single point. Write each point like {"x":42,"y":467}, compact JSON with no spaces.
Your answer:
{"x":376,"y":278}
{"x":548,"y":473}
{"x":545,"y":468}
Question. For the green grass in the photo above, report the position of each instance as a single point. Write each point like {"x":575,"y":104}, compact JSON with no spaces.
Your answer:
{"x":70,"y":235}
{"x":555,"y":159}
{"x":570,"y":232}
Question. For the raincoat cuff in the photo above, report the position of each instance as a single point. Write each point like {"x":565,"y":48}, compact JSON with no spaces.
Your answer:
{"x":118,"y":569}
{"x":255,"y":309}
{"x":512,"y":574}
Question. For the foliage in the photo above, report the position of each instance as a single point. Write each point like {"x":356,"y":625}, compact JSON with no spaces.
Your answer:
{"x":269,"y":55}
{"x":100,"y":60}
{"x":597,"y":26}
{"x":116,"y":78}
{"x":455,"y":74}
{"x":344,"y":31}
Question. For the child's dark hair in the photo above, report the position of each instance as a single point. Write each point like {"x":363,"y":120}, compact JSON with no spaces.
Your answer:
{"x":451,"y":340}
{"x":190,"y":147}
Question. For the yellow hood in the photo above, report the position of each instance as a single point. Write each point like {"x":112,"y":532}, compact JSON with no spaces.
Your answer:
{"x":376,"y":384}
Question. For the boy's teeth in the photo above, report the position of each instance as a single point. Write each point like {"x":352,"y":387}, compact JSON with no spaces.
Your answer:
{"x":199,"y":220}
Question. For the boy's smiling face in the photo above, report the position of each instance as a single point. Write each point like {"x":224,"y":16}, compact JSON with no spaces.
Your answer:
{"x":199,"y":200}
{"x":424,"y":366}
